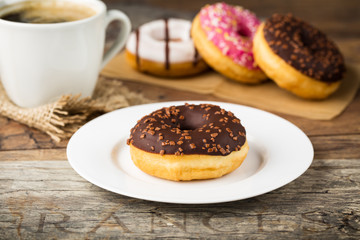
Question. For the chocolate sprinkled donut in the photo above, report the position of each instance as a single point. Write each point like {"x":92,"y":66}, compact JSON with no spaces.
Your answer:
{"x":203,"y":129}
{"x":304,"y":47}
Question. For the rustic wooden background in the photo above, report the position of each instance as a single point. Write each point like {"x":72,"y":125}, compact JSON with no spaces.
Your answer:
{"x":42,"y":197}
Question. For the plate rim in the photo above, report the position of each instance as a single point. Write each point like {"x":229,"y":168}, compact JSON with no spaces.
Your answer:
{"x":93,"y":180}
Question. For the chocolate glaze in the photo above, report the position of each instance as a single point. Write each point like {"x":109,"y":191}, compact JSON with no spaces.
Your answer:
{"x":189,"y":129}
{"x":167,"y":39}
{"x":304,"y":47}
{"x":137,"y":36}
{"x":196,"y":57}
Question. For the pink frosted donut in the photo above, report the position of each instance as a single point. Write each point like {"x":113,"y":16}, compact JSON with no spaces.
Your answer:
{"x":230,"y":29}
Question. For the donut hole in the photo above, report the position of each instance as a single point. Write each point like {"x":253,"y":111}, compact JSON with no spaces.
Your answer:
{"x":184,"y":127}
{"x":191,"y":122}
{"x":305,"y":42}
{"x":159,"y":35}
{"x":161,"y":39}
{"x":175,"y":40}
{"x":244,"y":32}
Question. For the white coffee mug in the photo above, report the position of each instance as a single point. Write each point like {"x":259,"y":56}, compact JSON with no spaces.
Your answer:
{"x":41,"y":62}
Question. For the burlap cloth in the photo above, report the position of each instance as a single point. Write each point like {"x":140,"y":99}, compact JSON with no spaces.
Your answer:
{"x":266,"y":96}
{"x":63,"y":117}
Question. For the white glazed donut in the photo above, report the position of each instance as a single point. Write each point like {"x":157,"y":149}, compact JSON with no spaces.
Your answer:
{"x":164,"y":47}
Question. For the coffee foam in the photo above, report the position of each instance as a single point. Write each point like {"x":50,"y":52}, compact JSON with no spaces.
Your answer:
{"x":50,"y":11}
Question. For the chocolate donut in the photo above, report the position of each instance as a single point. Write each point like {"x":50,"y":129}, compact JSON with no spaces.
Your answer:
{"x":287,"y":44}
{"x":181,"y":140}
{"x":304,"y":47}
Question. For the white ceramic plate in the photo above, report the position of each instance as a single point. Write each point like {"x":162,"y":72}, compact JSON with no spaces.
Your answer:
{"x":279,"y":153}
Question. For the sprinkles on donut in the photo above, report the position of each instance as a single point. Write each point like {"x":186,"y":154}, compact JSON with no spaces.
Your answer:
{"x":298,"y":57}
{"x":188,"y":142}
{"x":223,"y":35}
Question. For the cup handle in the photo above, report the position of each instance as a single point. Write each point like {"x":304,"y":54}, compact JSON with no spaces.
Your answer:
{"x":122,"y":36}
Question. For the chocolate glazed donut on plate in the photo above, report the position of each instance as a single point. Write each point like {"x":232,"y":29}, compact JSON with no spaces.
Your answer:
{"x":298,"y":57}
{"x":188,"y":142}
{"x":164,"y":48}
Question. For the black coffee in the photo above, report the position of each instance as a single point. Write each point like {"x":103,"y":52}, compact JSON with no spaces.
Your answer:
{"x":46,"y":12}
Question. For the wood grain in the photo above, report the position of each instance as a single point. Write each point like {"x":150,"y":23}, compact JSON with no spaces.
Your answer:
{"x":30,"y":155}
{"x":50,"y":200}
{"x":14,"y":135}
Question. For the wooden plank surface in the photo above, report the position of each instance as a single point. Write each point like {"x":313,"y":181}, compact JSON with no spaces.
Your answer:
{"x":47,"y":199}
{"x":42,"y":197}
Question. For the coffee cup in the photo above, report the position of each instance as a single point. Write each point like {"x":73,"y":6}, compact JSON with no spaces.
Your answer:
{"x":55,"y":47}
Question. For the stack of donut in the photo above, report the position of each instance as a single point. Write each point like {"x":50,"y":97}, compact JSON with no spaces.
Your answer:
{"x":233,"y":41}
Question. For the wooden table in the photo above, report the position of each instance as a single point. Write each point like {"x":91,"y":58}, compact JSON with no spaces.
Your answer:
{"x":42,"y":197}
